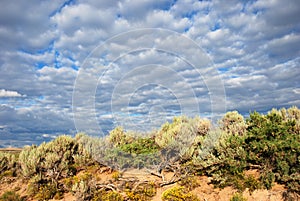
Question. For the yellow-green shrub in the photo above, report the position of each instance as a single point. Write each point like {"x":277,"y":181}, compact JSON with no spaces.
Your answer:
{"x":178,"y":193}
{"x":11,"y":196}
{"x":234,"y":123}
{"x":8,"y":161}
{"x":103,"y":195}
{"x":238,"y":197}
{"x":190,"y":182}
{"x":181,"y":137}
{"x":141,"y":192}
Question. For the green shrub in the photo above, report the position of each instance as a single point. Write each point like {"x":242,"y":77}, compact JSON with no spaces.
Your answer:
{"x":178,"y":193}
{"x":8,"y":162}
{"x":267,"y":178}
{"x":272,"y":143}
{"x":189,"y":182}
{"x":238,"y":197}
{"x":144,"y":191}
{"x":47,"y":164}
{"x":10,"y":196}
{"x":226,"y":161}
{"x":103,"y":195}
{"x":203,"y":126}
{"x":180,"y":138}
{"x":82,"y":190}
{"x":140,"y":146}
{"x":252,"y":183}
{"x":119,"y":137}
{"x":47,"y":191}
{"x":53,"y":160}
{"x":233,"y":122}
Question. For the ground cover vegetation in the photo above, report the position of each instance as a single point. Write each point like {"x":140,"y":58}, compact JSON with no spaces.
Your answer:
{"x":189,"y":147}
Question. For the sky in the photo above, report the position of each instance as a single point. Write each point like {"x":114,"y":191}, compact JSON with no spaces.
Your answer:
{"x":88,"y":66}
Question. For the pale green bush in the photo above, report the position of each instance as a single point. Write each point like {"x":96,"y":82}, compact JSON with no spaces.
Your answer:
{"x":233,"y":123}
{"x":182,"y":137}
{"x":53,"y":160}
{"x":30,"y":160}
{"x":8,"y":161}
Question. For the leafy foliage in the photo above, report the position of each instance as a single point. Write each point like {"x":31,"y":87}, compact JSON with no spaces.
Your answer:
{"x":144,"y":191}
{"x":234,"y":123}
{"x":10,"y":196}
{"x":8,"y":164}
{"x":50,"y":162}
{"x":190,"y":182}
{"x":53,"y":160}
{"x":178,"y":193}
{"x":181,"y":137}
{"x":270,"y":143}
{"x":238,"y":197}
{"x":107,"y":196}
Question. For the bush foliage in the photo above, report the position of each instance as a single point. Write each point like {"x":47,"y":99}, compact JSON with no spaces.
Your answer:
{"x":269,"y":143}
{"x":178,"y":193}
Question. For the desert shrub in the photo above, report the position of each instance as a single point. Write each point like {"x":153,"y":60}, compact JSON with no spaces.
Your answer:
{"x":47,"y":164}
{"x":8,"y":162}
{"x":170,"y":132}
{"x":140,"y":145}
{"x":233,"y":122}
{"x":180,"y":139}
{"x":293,"y":113}
{"x":267,"y":178}
{"x":290,"y":196}
{"x":116,"y":175}
{"x":30,"y":159}
{"x":82,"y":190}
{"x":40,"y":189}
{"x":53,"y":160}
{"x":143,"y":191}
{"x":225,"y":161}
{"x":132,"y":143}
{"x":83,"y":185}
{"x":10,"y":196}
{"x":80,"y":183}
{"x":107,"y":196}
{"x":238,"y":197}
{"x":47,"y":191}
{"x":190,"y":182}
{"x":239,"y":181}
{"x":203,"y":126}
{"x":178,"y":193}
{"x":98,"y":148}
{"x":272,"y":143}
{"x":122,"y":149}
{"x":119,"y":137}
{"x":252,"y":183}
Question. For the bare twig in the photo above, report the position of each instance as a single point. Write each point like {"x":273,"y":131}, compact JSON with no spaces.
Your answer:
{"x":107,"y":186}
{"x":170,"y":182}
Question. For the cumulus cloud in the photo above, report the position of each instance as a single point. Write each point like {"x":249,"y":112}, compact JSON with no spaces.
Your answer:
{"x":5,"y":93}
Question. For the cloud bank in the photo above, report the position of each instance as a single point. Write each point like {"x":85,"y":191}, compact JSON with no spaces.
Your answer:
{"x":254,"y":46}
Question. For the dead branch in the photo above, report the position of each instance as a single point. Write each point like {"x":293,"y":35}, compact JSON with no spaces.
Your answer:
{"x":107,"y":186}
{"x":172,"y":181}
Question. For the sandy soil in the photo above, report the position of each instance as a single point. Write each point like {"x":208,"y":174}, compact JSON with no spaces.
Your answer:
{"x":205,"y":191}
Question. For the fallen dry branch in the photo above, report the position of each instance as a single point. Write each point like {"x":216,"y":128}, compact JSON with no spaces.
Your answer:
{"x":172,"y":181}
{"x":108,"y":186}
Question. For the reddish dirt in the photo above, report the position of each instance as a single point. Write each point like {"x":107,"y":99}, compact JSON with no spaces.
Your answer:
{"x":205,"y":191}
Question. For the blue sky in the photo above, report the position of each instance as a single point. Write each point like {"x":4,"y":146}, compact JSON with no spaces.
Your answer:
{"x":95,"y":61}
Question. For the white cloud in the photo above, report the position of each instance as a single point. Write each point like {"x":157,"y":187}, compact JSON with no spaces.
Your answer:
{"x":6,"y":93}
